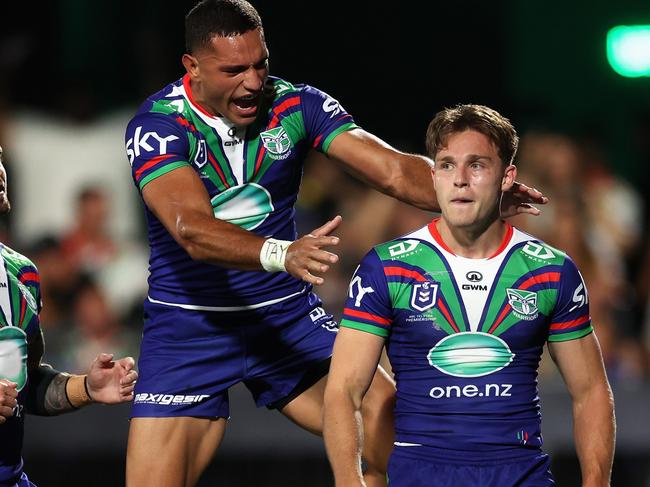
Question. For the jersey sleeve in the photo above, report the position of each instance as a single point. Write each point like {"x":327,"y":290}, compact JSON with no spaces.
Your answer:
{"x":368,"y":306}
{"x":324,"y":118}
{"x":155,"y":145}
{"x":570,"y":319}
{"x":32,"y":304}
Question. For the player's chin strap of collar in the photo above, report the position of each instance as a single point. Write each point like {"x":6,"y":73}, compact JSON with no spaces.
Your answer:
{"x":273,"y":254}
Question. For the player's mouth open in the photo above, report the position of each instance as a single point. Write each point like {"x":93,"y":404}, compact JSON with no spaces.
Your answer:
{"x":246,"y":105}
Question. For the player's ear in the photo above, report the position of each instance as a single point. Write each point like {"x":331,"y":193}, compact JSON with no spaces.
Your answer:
{"x":509,"y":177}
{"x":191,"y":65}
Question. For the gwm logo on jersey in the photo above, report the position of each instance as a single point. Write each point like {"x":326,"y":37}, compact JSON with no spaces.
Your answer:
{"x":424,"y":295}
{"x":277,"y":143}
{"x":470,"y":354}
{"x":523,"y":303}
{"x":13,"y":355}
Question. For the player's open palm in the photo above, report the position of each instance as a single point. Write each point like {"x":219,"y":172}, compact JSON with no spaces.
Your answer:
{"x":8,"y":399}
{"x":111,"y":381}
{"x":306,"y":257}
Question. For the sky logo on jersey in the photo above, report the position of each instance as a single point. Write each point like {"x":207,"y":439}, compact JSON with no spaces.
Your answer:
{"x":523,"y":303}
{"x":13,"y":355}
{"x":470,"y":354}
{"x":424,"y":295}
{"x":143,"y":142}
{"x":246,"y":205}
{"x":277,"y":143}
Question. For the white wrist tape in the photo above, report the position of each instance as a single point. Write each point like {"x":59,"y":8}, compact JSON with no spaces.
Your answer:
{"x":273,"y":254}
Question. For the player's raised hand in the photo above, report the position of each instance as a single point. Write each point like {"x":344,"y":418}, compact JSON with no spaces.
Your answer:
{"x":305,"y":256}
{"x":8,"y":399}
{"x":111,"y":381}
{"x":520,"y":199}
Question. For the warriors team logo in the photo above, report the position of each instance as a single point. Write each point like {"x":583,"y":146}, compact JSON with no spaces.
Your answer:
{"x":523,"y":303}
{"x":13,"y":355}
{"x":277,"y":143}
{"x":470,"y":354}
{"x":424,"y":295}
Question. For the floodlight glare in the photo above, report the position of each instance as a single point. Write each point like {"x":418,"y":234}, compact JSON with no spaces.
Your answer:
{"x":628,"y":50}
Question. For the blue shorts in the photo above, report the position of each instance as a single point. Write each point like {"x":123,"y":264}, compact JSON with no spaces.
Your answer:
{"x":23,"y":481}
{"x":408,"y":470}
{"x":189,"y":359}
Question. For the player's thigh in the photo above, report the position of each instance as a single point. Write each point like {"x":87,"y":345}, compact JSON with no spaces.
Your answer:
{"x":171,"y":452}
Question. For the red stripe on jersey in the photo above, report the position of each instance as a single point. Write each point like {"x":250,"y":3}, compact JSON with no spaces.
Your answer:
{"x":258,"y":162}
{"x":500,"y":318}
{"x":447,"y":315}
{"x":30,"y":276}
{"x":506,"y":240}
{"x":190,"y":96}
{"x":222,"y":176}
{"x":398,"y":271}
{"x":283,"y":107}
{"x":569,"y":324}
{"x":317,"y":141}
{"x":185,"y":123}
{"x":539,"y":279}
{"x":366,"y":316}
{"x":150,"y":164}
{"x":23,"y":308}
{"x":433,"y":230}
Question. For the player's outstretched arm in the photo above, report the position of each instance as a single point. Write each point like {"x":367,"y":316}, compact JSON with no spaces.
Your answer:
{"x":581,"y":365}
{"x":354,"y":362}
{"x":52,"y":392}
{"x":179,"y":200}
{"x":407,"y":177}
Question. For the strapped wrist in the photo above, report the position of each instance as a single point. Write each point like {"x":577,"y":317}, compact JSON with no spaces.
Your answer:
{"x":273,"y":254}
{"x":76,"y":389}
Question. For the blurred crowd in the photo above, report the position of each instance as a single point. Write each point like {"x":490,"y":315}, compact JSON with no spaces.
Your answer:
{"x":94,"y":283}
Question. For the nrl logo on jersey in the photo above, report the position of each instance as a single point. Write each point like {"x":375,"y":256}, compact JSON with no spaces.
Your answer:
{"x":424,"y":295}
{"x":277,"y":143}
{"x":523,"y":303}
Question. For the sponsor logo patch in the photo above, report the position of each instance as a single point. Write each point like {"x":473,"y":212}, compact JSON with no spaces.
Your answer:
{"x":168,"y":399}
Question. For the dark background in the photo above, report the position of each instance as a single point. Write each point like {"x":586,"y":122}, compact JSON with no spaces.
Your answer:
{"x":392,"y":65}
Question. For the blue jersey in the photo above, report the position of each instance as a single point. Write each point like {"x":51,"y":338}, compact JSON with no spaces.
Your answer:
{"x":20,"y":304}
{"x":252,"y":175}
{"x":465,"y":337}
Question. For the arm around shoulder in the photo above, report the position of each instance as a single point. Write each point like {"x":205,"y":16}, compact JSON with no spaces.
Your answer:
{"x":406,"y":177}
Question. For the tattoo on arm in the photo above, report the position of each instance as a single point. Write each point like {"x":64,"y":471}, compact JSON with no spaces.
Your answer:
{"x":56,"y":399}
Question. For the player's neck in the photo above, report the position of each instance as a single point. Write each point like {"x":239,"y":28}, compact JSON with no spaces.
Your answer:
{"x":198,"y":99}
{"x":476,"y":242}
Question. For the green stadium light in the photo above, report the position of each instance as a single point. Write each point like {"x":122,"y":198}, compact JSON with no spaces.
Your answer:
{"x":628,"y":50}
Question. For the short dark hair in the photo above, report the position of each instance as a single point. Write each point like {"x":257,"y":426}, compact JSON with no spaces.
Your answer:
{"x":480,"y":118}
{"x":223,"y":18}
